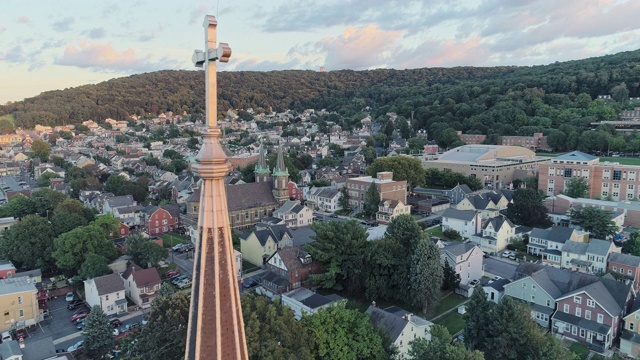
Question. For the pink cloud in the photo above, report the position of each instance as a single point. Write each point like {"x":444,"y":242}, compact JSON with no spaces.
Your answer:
{"x":445,"y":53}
{"x":362,"y":48}
{"x":24,"y":20}
{"x":104,"y":57}
{"x":2,"y":29}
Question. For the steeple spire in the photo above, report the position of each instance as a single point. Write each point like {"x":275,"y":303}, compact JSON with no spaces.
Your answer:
{"x":262,"y":167}
{"x":280,"y":169}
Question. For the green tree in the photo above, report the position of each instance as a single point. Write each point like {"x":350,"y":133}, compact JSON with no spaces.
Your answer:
{"x":73,"y":206}
{"x":504,"y":340}
{"x":440,"y":347}
{"x":20,"y":206}
{"x":46,"y":200}
{"x":406,"y":231}
{"x":387,"y":270}
{"x":371,"y":201}
{"x":108,"y":224}
{"x":344,"y":199}
{"x":165,"y":336}
{"x":40,"y":150}
{"x":98,"y":341}
{"x":450,"y":279}
{"x":63,"y":222}
{"x":144,"y":252}
{"x":45,"y":179}
{"x":93,"y":266}
{"x":339,"y":247}
{"x":166,"y":290}
{"x":6,"y":126}
{"x":426,"y":275}
{"x":272,"y":331}
{"x":341,"y":333}
{"x":632,"y":245}
{"x":577,"y":187}
{"x":115,"y":184}
{"x":595,"y":220}
{"x":403,"y":167}
{"x":72,"y":248}
{"x":477,"y":320}
{"x":528,"y":208}
{"x":29,"y":243}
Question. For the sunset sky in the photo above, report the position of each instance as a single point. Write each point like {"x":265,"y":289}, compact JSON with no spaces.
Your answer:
{"x":46,"y":45}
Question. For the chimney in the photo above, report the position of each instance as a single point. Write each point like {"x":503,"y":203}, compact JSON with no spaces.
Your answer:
{"x":407,"y":316}
{"x":373,"y":303}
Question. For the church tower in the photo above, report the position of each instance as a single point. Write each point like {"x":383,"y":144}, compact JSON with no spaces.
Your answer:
{"x":261,"y":171}
{"x":280,"y":178}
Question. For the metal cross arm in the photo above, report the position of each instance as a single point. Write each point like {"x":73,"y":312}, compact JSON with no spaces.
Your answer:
{"x":222,"y":53}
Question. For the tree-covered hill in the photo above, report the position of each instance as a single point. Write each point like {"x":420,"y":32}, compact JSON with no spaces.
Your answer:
{"x":464,"y":98}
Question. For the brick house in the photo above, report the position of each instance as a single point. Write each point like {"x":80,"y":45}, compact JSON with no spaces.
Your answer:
{"x":384,"y":183}
{"x":159,"y":220}
{"x":7,"y":269}
{"x":291,"y":267}
{"x":627,"y":266}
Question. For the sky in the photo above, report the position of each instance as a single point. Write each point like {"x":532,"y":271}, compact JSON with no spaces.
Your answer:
{"x":48,"y":45}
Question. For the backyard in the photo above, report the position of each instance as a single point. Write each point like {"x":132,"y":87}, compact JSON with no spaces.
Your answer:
{"x":448,"y":302}
{"x":172,"y":239}
{"x":452,"y":321}
{"x":580,"y":350}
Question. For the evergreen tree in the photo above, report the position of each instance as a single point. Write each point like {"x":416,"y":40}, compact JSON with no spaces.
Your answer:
{"x":406,"y":231}
{"x":440,"y":347}
{"x":508,"y":335}
{"x":451,"y":279}
{"x":426,"y":275}
{"x":477,"y":320}
{"x":98,"y":334}
{"x":371,"y":201}
{"x":166,"y":290}
{"x":528,"y":209}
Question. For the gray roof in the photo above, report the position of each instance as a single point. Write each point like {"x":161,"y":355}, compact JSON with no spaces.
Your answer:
{"x":583,"y":323}
{"x":118,"y":201}
{"x":597,"y":247}
{"x":29,"y":273}
{"x":16,"y":285}
{"x":457,"y":249}
{"x":499,"y":284}
{"x":108,"y":284}
{"x":467,"y":215}
{"x":9,"y":349}
{"x":576,"y":156}
{"x":497,"y":222}
{"x":392,"y":324}
{"x":556,"y":234}
{"x":250,"y":196}
{"x":625,"y":259}
{"x":630,"y":336}
{"x":276,"y":232}
{"x":39,"y":349}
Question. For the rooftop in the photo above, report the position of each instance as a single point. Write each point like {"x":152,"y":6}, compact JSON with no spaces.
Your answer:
{"x":16,"y":285}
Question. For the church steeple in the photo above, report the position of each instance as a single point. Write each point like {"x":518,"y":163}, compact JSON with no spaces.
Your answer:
{"x":280,"y":178}
{"x":262,"y":171}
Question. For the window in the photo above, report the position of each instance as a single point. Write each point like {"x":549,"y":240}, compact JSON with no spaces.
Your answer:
{"x":605,"y":185}
{"x":616,"y":186}
{"x":533,"y":298}
{"x":567,"y":173}
{"x":21,"y":313}
{"x":587,"y":314}
{"x":581,"y":332}
{"x":19,"y":299}
{"x":566,"y":308}
{"x":164,"y":222}
{"x":621,"y":271}
{"x":617,"y":175}
{"x":577,"y":299}
{"x":574,"y":330}
{"x":578,"y":312}
{"x":629,"y":272}
{"x":548,"y":303}
{"x":156,"y":222}
{"x":631,"y":325}
{"x":615,"y":269}
{"x":600,"y":318}
{"x":106,"y":297}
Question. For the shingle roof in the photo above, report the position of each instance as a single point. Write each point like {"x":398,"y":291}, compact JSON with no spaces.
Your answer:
{"x":467,"y":215}
{"x":118,"y":201}
{"x":497,"y":222}
{"x":249,"y":196}
{"x":556,"y":234}
{"x":458,"y":248}
{"x":109,"y":284}
{"x":142,"y":277}
{"x":625,"y":259}
{"x":291,"y":257}
{"x":392,"y":324}
{"x":499,"y":284}
{"x":478,"y":202}
{"x":597,"y":247}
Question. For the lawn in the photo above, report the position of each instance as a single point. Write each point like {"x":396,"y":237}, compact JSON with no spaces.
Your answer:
{"x":248,"y":267}
{"x":580,"y":350}
{"x":452,"y":321}
{"x":622,"y":160}
{"x":172,"y":239}
{"x":436,"y":231}
{"x":448,"y":302}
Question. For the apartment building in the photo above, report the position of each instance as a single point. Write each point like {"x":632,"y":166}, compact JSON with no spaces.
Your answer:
{"x":606,"y":180}
{"x":18,"y":302}
{"x":388,"y":189}
{"x":536,"y":142}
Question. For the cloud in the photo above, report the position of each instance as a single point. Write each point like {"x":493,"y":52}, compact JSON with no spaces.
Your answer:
{"x":95,"y":33}
{"x":24,"y":20}
{"x":63,"y":24}
{"x":197,"y":14}
{"x":103,"y":57}
{"x":14,"y":54}
{"x":2,"y":29}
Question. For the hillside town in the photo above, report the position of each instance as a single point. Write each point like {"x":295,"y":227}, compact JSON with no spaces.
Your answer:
{"x":557,"y":233}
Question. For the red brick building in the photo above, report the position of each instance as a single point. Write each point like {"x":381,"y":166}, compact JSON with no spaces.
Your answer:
{"x":626,"y":266}
{"x":7,"y":269}
{"x":160,"y":220}
{"x":288,"y":268}
{"x":123,"y":230}
{"x":295,"y":193}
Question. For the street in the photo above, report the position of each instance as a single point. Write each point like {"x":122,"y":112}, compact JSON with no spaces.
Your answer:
{"x":503,"y":268}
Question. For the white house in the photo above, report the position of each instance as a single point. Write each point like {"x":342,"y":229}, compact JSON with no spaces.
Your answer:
{"x":588,"y":257}
{"x":402,"y":326}
{"x":548,"y":243}
{"x":465,"y":258}
{"x":496,"y":234}
{"x":466,"y":222}
{"x":495,"y":289}
{"x":324,"y":198}
{"x":141,"y":285}
{"x":107,"y":292}
{"x":294,"y":214}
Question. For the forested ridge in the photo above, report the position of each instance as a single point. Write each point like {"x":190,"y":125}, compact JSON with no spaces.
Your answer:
{"x":471,"y":99}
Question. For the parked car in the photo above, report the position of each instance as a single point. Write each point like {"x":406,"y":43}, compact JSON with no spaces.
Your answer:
{"x":21,"y":334}
{"x":70,"y":296}
{"x":75,"y":304}
{"x":79,"y":315}
{"x":80,"y":324}
{"x":115,"y":323}
{"x":6,"y":336}
{"x":333,"y":215}
{"x":177,"y":247}
{"x":474,"y":283}
{"x":249,"y":283}
{"x":184,"y":284}
{"x":507,"y":253}
{"x":179,"y":279}
{"x":131,"y":326}
{"x":116,"y":332}
{"x":76,"y":346}
{"x":172,"y":272}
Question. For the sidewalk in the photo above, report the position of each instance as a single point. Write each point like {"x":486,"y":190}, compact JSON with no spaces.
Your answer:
{"x":79,"y":333}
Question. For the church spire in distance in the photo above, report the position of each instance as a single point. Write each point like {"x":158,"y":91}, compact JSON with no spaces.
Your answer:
{"x":216,"y":328}
{"x":280,"y":169}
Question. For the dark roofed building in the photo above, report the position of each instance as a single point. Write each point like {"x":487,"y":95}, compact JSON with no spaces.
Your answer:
{"x":401,"y":326}
{"x":141,"y":285}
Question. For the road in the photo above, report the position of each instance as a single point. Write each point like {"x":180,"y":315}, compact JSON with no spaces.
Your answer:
{"x":503,"y":268}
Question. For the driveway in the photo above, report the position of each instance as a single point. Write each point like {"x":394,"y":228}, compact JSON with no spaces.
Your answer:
{"x":503,"y":268}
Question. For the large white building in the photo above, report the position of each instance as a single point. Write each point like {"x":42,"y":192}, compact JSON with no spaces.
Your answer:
{"x":107,"y":292}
